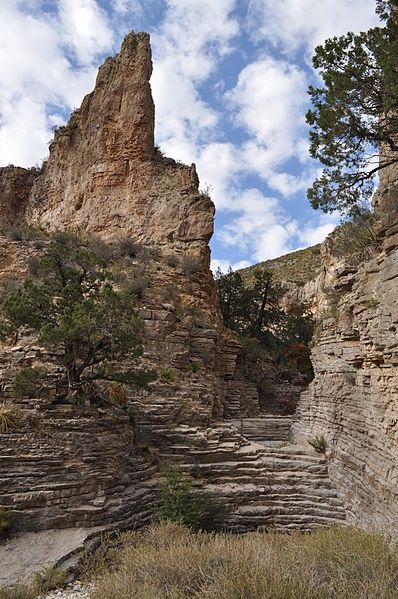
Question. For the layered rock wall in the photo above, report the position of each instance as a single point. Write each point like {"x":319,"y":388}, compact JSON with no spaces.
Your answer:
{"x":353,"y":398}
{"x":91,"y":465}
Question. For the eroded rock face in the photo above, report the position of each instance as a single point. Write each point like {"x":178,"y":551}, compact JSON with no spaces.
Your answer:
{"x":104,"y":175}
{"x":353,"y":398}
{"x":91,"y":466}
{"x":15,"y":186}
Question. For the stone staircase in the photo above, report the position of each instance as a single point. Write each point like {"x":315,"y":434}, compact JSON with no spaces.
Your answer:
{"x":252,"y":485}
{"x":267,"y":429}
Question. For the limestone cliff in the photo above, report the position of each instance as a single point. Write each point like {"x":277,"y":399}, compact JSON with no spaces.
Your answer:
{"x":353,"y":398}
{"x":104,"y":174}
{"x":90,"y":467}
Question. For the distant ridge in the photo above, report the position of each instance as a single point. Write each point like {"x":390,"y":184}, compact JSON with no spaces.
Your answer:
{"x":297,"y":267}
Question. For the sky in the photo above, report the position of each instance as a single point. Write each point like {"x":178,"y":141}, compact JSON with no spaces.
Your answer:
{"x":230,"y":86}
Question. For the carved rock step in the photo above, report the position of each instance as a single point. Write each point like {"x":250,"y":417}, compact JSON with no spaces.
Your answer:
{"x":264,"y":428}
{"x":283,"y":488}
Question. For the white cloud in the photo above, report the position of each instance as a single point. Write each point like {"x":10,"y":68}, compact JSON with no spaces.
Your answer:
{"x":85,"y":29}
{"x":226,"y":264}
{"x":269,"y":101}
{"x":316,"y":230}
{"x":261,"y":227}
{"x":187,"y":48}
{"x":290,"y":24}
{"x":36,"y":72}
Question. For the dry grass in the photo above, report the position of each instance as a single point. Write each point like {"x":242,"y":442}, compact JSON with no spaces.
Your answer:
{"x":167,"y":561}
{"x":10,"y":417}
{"x":48,"y":579}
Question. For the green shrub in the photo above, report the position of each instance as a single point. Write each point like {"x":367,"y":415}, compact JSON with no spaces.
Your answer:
{"x":29,"y":382}
{"x":357,"y":238}
{"x":318,"y":443}
{"x":177,"y":502}
{"x":48,"y":579}
{"x":167,"y":374}
{"x":6,"y":520}
{"x":191,"y":265}
{"x":40,"y":584}
{"x":171,"y":260}
{"x":126,"y":247}
{"x":252,"y":348}
{"x":168,"y":293}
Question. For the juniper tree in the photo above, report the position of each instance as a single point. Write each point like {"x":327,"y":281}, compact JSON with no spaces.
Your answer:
{"x":354,"y":115}
{"x":78,"y":312}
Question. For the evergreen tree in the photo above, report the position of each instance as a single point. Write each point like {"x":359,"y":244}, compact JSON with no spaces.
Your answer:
{"x":354,"y":116}
{"x":78,"y":313}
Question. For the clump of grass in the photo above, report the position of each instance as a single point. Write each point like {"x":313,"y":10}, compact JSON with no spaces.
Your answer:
{"x":117,"y":393}
{"x":11,"y":417}
{"x":168,"y":560}
{"x":318,"y":443}
{"x":168,"y":375}
{"x":48,"y":579}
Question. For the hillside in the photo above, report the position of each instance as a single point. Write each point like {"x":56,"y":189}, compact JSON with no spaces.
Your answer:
{"x":297,"y":267}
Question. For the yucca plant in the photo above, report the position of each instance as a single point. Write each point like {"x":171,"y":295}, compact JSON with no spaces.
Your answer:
{"x":318,"y":443}
{"x":10,"y":417}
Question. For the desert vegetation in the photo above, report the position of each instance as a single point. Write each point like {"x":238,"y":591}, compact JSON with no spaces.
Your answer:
{"x":83,"y":313}
{"x":168,"y":560}
{"x":251,"y":307}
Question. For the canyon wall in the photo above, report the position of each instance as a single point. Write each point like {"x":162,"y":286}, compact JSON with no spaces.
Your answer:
{"x":92,"y":466}
{"x":353,"y":400}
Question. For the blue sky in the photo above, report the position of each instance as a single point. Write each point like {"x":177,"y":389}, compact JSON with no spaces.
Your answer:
{"x":229,"y":84}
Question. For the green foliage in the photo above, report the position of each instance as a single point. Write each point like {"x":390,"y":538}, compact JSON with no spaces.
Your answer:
{"x":168,"y":375}
{"x":196,"y":367}
{"x":29,"y":382}
{"x":76,"y":309}
{"x":172,"y":260}
{"x":356,"y":239}
{"x":252,"y":309}
{"x":177,"y":502}
{"x":355,"y":113}
{"x":6,"y":520}
{"x":48,"y":579}
{"x":318,"y":443}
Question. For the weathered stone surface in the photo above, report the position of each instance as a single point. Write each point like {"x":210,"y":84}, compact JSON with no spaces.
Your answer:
{"x":89,"y":467}
{"x":353,"y":398}
{"x":15,"y":186}
{"x":104,"y":175}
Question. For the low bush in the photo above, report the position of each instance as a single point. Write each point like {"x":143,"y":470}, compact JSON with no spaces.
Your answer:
{"x":190,"y":265}
{"x":6,"y":520}
{"x":48,"y":579}
{"x":29,"y":382}
{"x":168,"y":561}
{"x":172,"y":260}
{"x":357,"y":238}
{"x":177,"y":500}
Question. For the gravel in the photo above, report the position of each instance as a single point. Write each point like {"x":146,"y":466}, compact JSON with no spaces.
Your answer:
{"x":76,"y":590}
